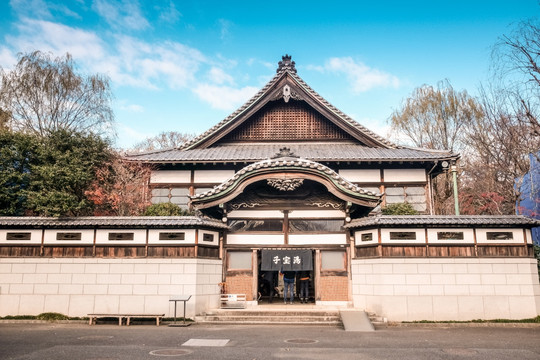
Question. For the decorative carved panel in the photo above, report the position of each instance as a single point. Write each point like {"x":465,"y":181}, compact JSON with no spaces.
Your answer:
{"x":293,"y":120}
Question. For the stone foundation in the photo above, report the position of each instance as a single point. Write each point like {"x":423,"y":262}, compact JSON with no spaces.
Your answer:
{"x":447,"y":289}
{"x":78,"y":286}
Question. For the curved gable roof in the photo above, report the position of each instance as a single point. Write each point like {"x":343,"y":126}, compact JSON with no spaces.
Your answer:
{"x":286,"y":167}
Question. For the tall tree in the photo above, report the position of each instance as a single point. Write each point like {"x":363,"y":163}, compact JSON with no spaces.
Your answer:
{"x":43,"y":94}
{"x":435,"y":118}
{"x":120,"y":188}
{"x":18,"y":154}
{"x":65,"y":167}
{"x":516,"y":64}
{"x":164,"y":140}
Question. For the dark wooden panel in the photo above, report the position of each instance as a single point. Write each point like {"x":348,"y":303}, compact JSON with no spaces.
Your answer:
{"x":207,"y":251}
{"x":404,"y":251}
{"x":170,"y":251}
{"x":503,"y":251}
{"x":20,"y":251}
{"x":362,"y":252}
{"x":450,"y":251}
{"x":67,"y":251}
{"x":287,"y":121}
{"x":117,"y":251}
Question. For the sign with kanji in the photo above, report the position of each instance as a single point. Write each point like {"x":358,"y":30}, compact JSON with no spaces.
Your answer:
{"x":286,"y":260}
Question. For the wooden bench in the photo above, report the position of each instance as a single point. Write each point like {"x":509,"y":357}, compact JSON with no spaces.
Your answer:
{"x":93,"y":317}
{"x":233,"y":301}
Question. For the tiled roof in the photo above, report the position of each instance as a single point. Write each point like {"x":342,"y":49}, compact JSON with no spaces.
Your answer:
{"x":443,"y":220}
{"x":312,"y":151}
{"x":280,"y":73}
{"x":112,"y":221}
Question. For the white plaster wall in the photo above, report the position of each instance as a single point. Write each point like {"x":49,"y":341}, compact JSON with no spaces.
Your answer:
{"x":258,"y":239}
{"x":404,"y":175}
{"x":212,"y":176}
{"x":35,"y":237}
{"x":79,"y":286}
{"x":102,"y":237}
{"x":87,"y":237}
{"x":447,"y":289}
{"x":361,"y":175}
{"x":308,"y":239}
{"x":153,"y":236}
{"x":170,"y":176}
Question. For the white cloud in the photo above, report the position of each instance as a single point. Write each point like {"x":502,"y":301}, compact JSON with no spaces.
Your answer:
{"x":31,"y":8}
{"x":56,"y":38}
{"x":124,"y":105}
{"x":121,"y":14}
{"x":224,"y":97}
{"x":219,"y":76}
{"x":8,"y":60}
{"x":361,"y":76}
{"x":224,"y":28}
{"x":169,"y":13}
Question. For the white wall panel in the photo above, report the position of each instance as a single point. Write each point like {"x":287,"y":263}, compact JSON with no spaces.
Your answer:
{"x":153,"y":237}
{"x":35,"y":237}
{"x":102,"y":237}
{"x":317,"y":239}
{"x":87,"y":237}
{"x":481,"y":236}
{"x":256,"y":239}
{"x":420,"y":236}
{"x":212,"y":176}
{"x":170,"y":176}
{"x":468,"y":236}
{"x":404,"y":175}
{"x":363,"y":175}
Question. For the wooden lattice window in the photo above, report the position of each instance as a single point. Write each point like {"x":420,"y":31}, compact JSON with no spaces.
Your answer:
{"x":287,"y":121}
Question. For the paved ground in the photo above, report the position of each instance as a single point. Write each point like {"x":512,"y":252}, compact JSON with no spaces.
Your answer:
{"x":79,"y":341}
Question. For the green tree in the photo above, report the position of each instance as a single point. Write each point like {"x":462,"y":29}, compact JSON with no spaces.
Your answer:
{"x":43,"y":94}
{"x":65,"y":167}
{"x":17,"y":157}
{"x":165,"y":209}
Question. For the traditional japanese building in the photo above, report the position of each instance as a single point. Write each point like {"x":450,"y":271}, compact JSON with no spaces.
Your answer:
{"x":286,"y":182}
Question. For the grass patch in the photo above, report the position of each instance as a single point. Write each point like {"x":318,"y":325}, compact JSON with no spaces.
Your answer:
{"x":524,"y":321}
{"x":47,"y":316}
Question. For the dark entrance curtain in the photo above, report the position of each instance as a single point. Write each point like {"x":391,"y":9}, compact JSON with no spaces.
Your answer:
{"x":286,"y":260}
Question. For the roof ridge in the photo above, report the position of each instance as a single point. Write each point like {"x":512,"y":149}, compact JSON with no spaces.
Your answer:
{"x":237,"y":111}
{"x":341,"y":114}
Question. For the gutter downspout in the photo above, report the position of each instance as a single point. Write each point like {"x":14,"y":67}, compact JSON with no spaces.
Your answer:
{"x":453,"y":169}
{"x":430,"y":187}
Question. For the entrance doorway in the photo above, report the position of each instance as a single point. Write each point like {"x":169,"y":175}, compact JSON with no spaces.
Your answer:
{"x":270,"y":284}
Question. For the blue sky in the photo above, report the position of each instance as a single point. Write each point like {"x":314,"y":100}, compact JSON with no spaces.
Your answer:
{"x":185,"y":65}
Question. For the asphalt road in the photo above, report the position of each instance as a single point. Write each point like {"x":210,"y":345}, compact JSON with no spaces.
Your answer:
{"x":79,"y":341}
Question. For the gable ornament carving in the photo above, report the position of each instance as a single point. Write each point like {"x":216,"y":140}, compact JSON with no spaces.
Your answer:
{"x":285,"y":184}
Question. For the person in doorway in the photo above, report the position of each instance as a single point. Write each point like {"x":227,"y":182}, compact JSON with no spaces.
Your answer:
{"x":304,"y":286}
{"x":269,"y":278}
{"x":288,"y":280}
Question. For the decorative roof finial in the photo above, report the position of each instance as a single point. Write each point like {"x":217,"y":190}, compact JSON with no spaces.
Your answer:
{"x":286,"y":64}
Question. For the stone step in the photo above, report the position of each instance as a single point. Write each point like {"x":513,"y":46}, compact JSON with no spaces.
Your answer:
{"x":255,"y":322}
{"x":271,"y":313}
{"x":273,"y":318}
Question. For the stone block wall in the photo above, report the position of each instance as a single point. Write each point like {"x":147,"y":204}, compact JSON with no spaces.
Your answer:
{"x":406,"y":289}
{"x":78,"y":286}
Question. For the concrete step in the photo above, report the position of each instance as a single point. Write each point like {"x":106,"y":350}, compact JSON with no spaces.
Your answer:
{"x":272,"y":316}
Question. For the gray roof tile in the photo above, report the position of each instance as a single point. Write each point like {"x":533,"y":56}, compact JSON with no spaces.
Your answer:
{"x":112,"y":221}
{"x":443,"y":220}
{"x":311,"y":151}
